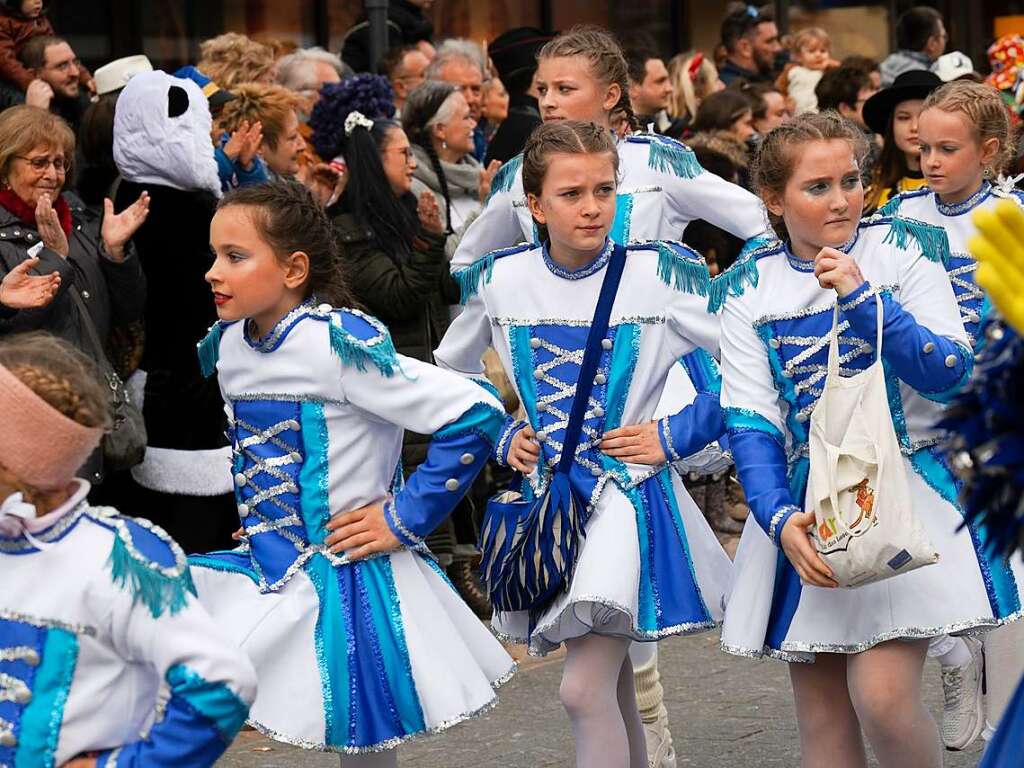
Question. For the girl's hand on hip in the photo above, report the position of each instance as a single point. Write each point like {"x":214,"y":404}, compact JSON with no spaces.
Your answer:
{"x":635,"y":444}
{"x":361,"y":532}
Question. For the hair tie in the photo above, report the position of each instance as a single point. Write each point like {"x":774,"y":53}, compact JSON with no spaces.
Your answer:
{"x":357,"y":119}
{"x":694,"y":65}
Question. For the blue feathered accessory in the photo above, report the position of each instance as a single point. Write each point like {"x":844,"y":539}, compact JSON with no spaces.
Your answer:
{"x":530,"y":547}
{"x":369,"y":94}
{"x":987,"y":444}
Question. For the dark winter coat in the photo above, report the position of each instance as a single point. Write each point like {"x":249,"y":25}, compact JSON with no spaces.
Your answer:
{"x":510,"y":138}
{"x":114,"y":293}
{"x":183,"y":409}
{"x":411,"y":297}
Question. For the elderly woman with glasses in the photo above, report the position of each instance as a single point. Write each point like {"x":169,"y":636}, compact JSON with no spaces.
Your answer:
{"x":57,"y":259}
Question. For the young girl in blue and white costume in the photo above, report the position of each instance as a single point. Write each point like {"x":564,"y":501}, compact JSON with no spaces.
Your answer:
{"x":865,"y":645}
{"x":358,"y":640}
{"x":965,"y":136}
{"x":649,"y":566}
{"x":582,"y":75}
{"x":106,"y":657}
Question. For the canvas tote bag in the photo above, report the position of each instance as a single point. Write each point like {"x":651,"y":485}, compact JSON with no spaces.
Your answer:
{"x":866,"y":529}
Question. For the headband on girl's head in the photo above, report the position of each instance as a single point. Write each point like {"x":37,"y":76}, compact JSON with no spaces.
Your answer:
{"x":694,"y":65}
{"x":38,"y":443}
{"x":357,"y":119}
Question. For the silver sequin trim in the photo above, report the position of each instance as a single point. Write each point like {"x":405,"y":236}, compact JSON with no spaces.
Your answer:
{"x":250,"y":397}
{"x":846,"y":306}
{"x":536,"y":648}
{"x":499,"y":449}
{"x":575,"y":323}
{"x":956,"y":209}
{"x":390,"y":744}
{"x":19,"y":653}
{"x":666,"y":432}
{"x":777,"y":518}
{"x":813,"y":310}
{"x":795,"y":651}
{"x":35,"y":621}
{"x":392,"y":513}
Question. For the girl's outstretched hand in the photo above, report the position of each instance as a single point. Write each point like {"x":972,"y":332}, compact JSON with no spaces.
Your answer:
{"x":999,"y":249}
{"x":361,"y":532}
{"x":796,"y":543}
{"x":635,"y":444}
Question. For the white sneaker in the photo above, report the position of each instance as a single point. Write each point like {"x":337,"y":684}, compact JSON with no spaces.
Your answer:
{"x":963,"y":715}
{"x":660,"y":752}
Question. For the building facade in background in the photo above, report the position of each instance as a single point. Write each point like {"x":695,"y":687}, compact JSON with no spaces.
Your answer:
{"x":169,"y":31}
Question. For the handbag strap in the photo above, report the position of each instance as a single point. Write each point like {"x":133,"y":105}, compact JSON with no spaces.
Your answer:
{"x":591,"y":356}
{"x":99,"y":354}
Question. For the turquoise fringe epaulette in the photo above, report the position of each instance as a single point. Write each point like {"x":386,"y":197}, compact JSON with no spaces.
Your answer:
{"x":160,"y":587}
{"x":678,"y":266}
{"x":209,"y":349}
{"x":377,"y":349}
{"x":506,"y":175}
{"x":893,"y":204}
{"x":743,"y":271}
{"x":932,"y":240}
{"x":469,"y":277}
{"x":667,"y":155}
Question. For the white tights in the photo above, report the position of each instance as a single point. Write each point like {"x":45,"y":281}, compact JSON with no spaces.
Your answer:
{"x":878,"y":691}
{"x":388,"y":759}
{"x":597,"y":692}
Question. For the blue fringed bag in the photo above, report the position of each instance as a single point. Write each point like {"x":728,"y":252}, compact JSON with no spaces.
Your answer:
{"x":530,"y":547}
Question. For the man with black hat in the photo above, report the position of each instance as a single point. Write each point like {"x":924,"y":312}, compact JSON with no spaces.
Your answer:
{"x":899,"y":164}
{"x":514,"y":54}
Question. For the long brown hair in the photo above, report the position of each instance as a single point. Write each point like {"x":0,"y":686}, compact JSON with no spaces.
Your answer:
{"x":604,"y":54}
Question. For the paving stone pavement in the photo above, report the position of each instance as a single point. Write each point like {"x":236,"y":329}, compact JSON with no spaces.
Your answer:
{"x":725,"y":712}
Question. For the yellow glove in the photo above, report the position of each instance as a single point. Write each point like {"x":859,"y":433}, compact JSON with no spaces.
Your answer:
{"x":999,"y":250}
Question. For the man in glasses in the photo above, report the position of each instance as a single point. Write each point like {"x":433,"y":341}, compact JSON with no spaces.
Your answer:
{"x":405,"y":68}
{"x":57,"y":86}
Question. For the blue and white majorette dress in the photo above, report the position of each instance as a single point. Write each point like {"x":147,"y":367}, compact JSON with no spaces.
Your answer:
{"x":104,"y":648}
{"x":775,"y":338}
{"x":924,"y":205}
{"x":352,"y":656}
{"x":649,"y":565}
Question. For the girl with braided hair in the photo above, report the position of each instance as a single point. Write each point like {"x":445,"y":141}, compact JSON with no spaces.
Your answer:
{"x":115,"y":618}
{"x":440,"y":127}
{"x":965,"y":138}
{"x":582,"y":75}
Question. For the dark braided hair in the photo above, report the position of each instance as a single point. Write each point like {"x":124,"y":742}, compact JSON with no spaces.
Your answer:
{"x":289,"y":219}
{"x":607,"y":62}
{"x":421,"y":107}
